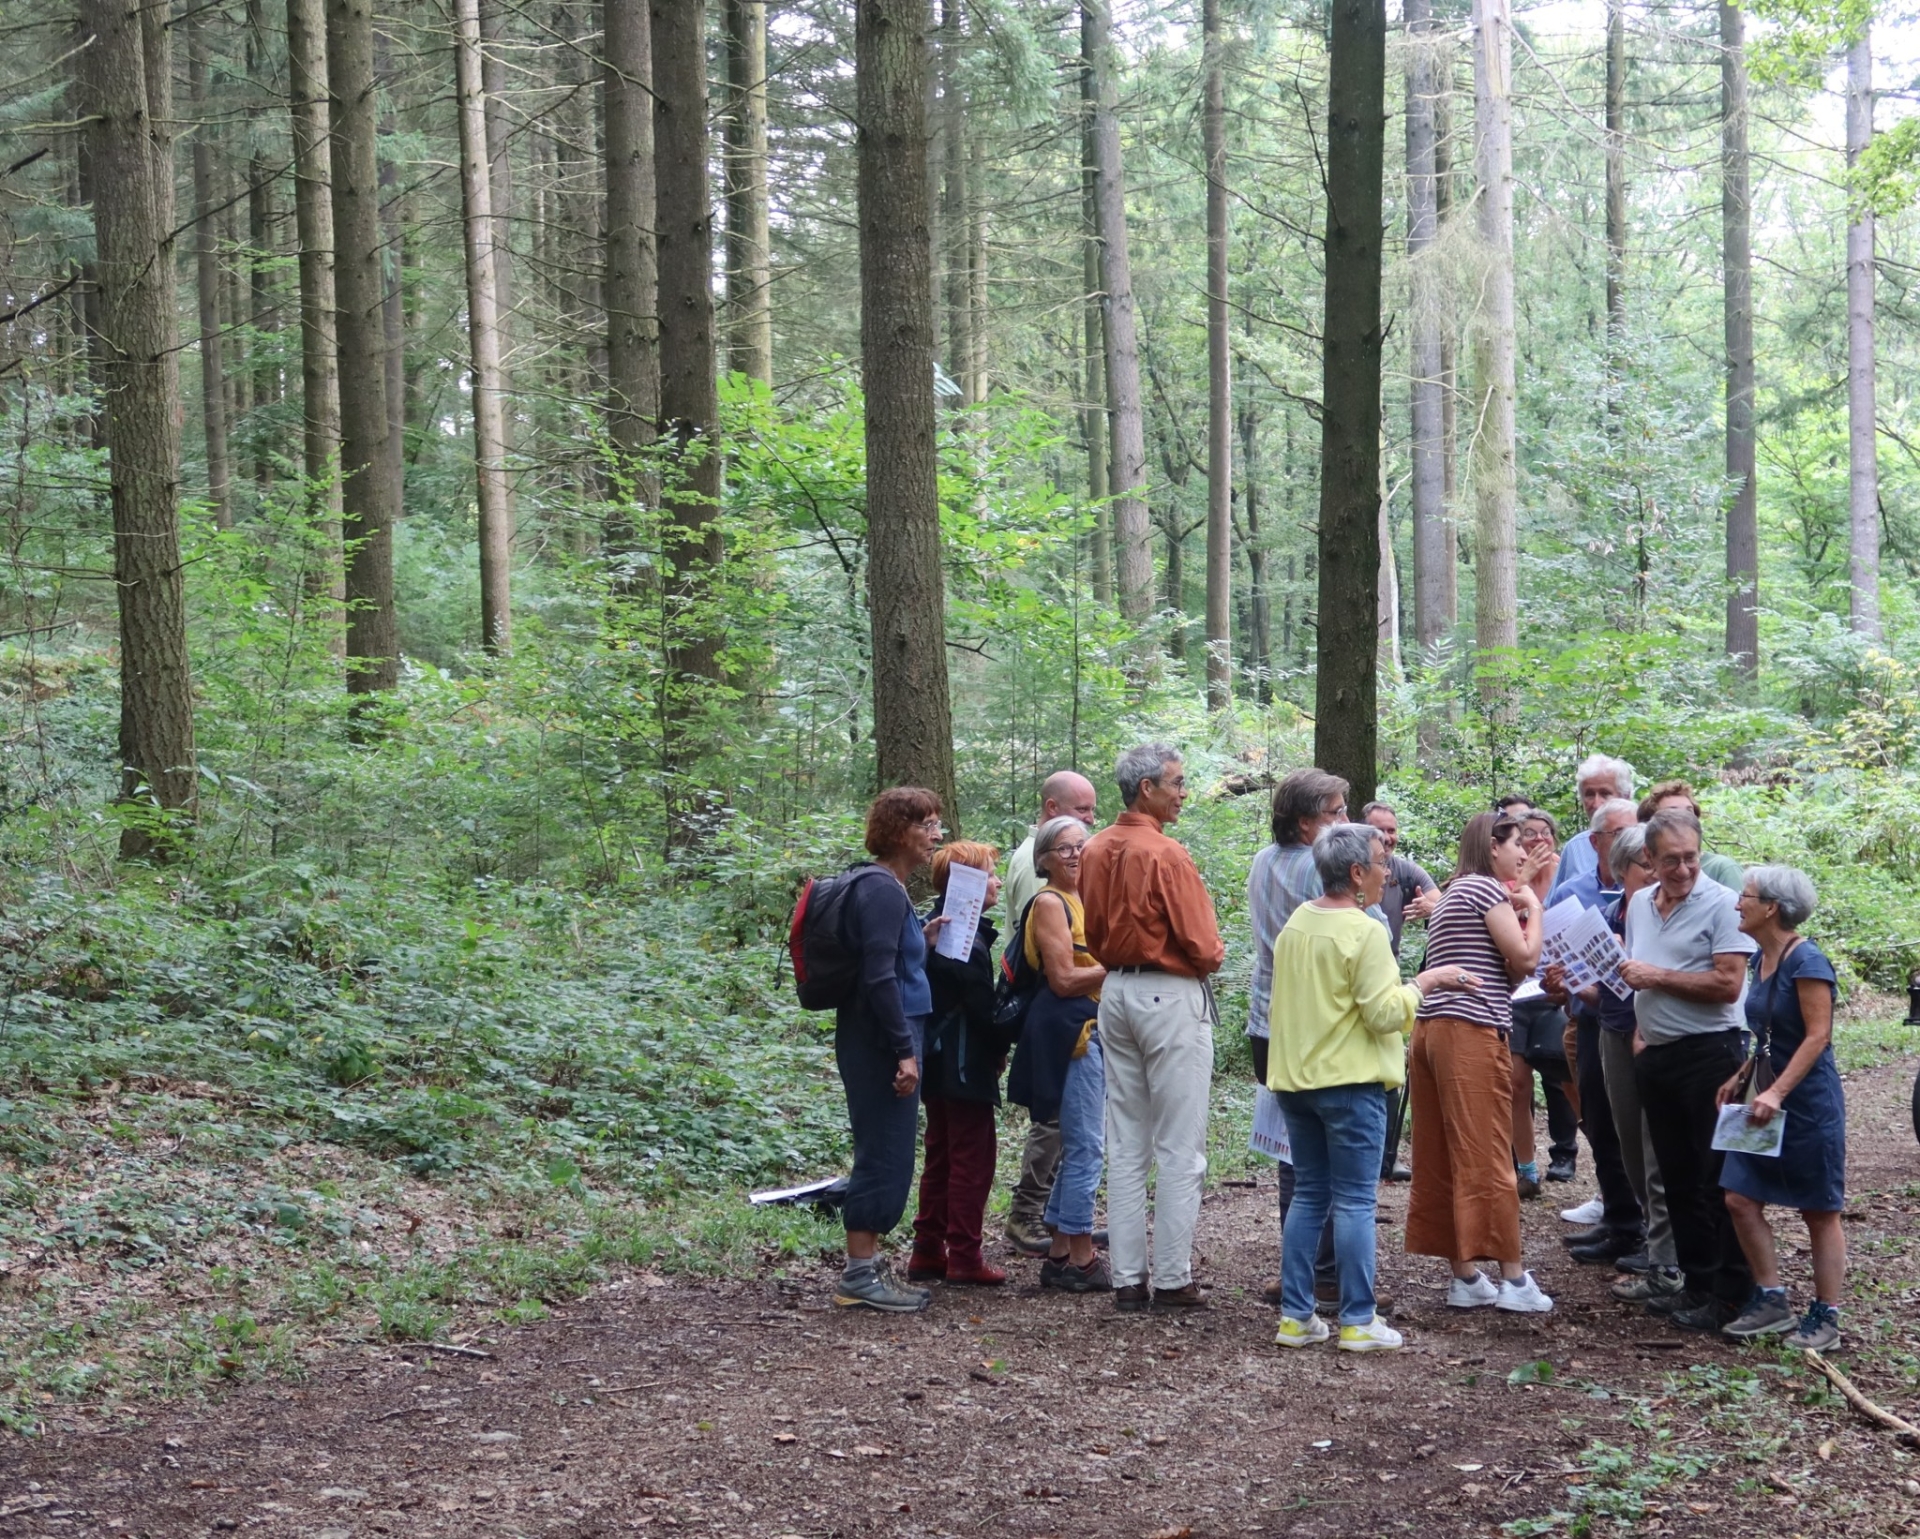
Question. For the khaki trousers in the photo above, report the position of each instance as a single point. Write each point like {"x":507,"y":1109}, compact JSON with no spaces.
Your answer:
{"x":1157,"y":1032}
{"x":1636,"y":1144}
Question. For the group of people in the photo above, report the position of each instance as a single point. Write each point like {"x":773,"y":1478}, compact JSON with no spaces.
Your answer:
{"x":1104,"y":1008}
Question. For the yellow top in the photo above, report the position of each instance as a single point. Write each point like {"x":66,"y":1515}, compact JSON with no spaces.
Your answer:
{"x":1076,"y":927}
{"x":1339,"y":1008}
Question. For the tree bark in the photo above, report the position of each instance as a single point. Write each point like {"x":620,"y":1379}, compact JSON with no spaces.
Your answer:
{"x":1736,"y":240}
{"x":689,"y":402}
{"x":632,"y":288}
{"x":906,"y":598}
{"x":953,"y":208}
{"x":127,"y":74}
{"x":1260,"y":598}
{"x":269,"y":383}
{"x":1219,"y":374}
{"x":1496,"y":614}
{"x":1863,"y":462}
{"x":370,"y":496}
{"x":206,"y":263}
{"x":1128,"y":461}
{"x":1433,"y":541}
{"x":1345,"y":733}
{"x":749,"y":245}
{"x":313,"y":220}
{"x":1616,"y":153}
{"x":483,"y":337}
{"x":1094,"y":428}
{"x":494,"y":81}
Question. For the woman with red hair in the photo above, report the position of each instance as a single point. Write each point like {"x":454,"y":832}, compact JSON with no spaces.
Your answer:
{"x":877,"y":1038}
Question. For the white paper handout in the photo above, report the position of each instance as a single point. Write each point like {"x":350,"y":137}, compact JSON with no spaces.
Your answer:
{"x":1270,"y":1136}
{"x":1587,"y":952}
{"x":966,"y":898}
{"x":1737,"y":1133}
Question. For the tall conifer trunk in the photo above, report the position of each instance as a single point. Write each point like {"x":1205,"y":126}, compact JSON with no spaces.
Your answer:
{"x":1219,"y":376}
{"x":127,"y":73}
{"x":1094,"y":429}
{"x":206,"y":265}
{"x":749,"y":248}
{"x":1345,"y":730}
{"x":1863,"y":464}
{"x":1736,"y":258}
{"x":1496,"y":604}
{"x":633,"y":332}
{"x":370,"y":495}
{"x":906,"y":598}
{"x":1433,"y":541}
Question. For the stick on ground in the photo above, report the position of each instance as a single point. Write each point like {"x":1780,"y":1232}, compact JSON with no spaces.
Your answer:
{"x":1873,"y":1413}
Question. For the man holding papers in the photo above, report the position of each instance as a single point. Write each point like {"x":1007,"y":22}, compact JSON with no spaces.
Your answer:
{"x":1687,"y":960}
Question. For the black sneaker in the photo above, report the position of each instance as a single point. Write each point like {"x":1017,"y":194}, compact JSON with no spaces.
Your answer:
{"x":1050,"y":1271}
{"x":1605,"y":1250}
{"x":1091,"y":1278}
{"x":1590,"y":1235}
{"x":1712,"y":1316}
{"x":1638,"y":1262}
{"x":1672,"y":1303}
{"x":1561,"y":1169}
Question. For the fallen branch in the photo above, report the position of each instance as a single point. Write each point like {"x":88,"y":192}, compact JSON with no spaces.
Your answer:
{"x":444,"y":1346}
{"x":1907,"y":1431}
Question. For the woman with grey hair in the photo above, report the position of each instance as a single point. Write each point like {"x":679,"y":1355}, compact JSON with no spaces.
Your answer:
{"x":1790,"y":1013}
{"x":1334,"y":1052}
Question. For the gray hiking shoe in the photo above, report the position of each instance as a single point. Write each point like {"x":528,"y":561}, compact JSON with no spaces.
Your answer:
{"x":1819,"y":1329}
{"x":1658,"y":1283}
{"x":1765,"y":1313}
{"x":873,"y":1288}
{"x":1091,"y":1278}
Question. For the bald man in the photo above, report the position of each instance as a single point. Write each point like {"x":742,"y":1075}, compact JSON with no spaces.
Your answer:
{"x":1064,"y":795}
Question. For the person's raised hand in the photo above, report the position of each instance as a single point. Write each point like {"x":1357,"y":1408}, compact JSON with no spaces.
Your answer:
{"x":1553,"y":983}
{"x":1424,"y":904}
{"x":932,"y":928}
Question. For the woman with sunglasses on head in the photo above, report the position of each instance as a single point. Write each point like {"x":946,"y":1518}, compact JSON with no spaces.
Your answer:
{"x":1061,"y":1072}
{"x":877,"y":1038}
{"x":1465,"y":1205}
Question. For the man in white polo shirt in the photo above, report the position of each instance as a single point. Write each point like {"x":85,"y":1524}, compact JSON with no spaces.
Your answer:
{"x":1687,"y":962}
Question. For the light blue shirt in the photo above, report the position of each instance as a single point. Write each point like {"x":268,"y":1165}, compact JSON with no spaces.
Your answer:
{"x":1283,"y":877}
{"x":1705,"y":925}
{"x":1578,"y":858}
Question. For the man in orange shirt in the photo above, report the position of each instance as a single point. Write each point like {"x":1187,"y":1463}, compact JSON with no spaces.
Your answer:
{"x":1151,"y":924}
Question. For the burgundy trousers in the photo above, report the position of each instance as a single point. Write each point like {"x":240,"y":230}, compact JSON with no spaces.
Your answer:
{"x":955,"y":1182}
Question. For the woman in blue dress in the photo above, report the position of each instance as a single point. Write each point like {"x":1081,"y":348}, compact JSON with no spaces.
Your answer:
{"x":1790,"y":1013}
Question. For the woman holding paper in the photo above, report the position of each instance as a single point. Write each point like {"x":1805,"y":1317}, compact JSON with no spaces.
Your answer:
{"x":1540,"y":1036}
{"x":1790,"y":1013}
{"x":960,"y":1082}
{"x":1465,"y":1205}
{"x":1061,"y":1070}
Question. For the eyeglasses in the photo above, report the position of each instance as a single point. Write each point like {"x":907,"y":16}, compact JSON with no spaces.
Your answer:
{"x":1071,"y":852}
{"x":933,"y":826}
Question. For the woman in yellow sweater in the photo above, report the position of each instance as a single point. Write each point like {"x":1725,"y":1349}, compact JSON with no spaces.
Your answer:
{"x":1338,"y":1014}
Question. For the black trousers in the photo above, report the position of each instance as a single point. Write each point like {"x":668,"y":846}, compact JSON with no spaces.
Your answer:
{"x":886,"y":1127}
{"x":1623,"y":1214}
{"x":1677,"y":1084}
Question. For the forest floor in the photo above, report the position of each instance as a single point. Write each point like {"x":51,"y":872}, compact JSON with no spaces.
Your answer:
{"x":751,"y":1407}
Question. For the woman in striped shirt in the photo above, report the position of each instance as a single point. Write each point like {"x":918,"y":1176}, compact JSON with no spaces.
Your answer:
{"x":1465,"y":1205}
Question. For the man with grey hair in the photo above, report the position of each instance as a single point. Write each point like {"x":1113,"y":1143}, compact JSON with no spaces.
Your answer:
{"x":1687,"y":963}
{"x":1598,"y":779}
{"x":1151,"y":925}
{"x":1064,"y":794}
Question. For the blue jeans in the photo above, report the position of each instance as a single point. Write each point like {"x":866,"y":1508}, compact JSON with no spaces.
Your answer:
{"x":1083,"y":1143}
{"x":1338,"y":1134}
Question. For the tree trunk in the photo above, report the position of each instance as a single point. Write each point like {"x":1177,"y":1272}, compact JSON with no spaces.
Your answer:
{"x":1260,"y":597}
{"x":633,"y":333}
{"x":313,"y":219}
{"x":1863,"y":464}
{"x":1433,"y":542}
{"x":953,"y":207}
{"x":494,"y":82}
{"x":977,"y":283}
{"x":749,"y":246}
{"x":1496,"y":614}
{"x":127,"y":73}
{"x":912,"y":718}
{"x":394,"y":233}
{"x":483,"y":334}
{"x":371,"y":495}
{"x":206,"y":264}
{"x":1345,"y":732}
{"x":1093,"y":416}
{"x":1449,"y":375}
{"x":269,"y":385}
{"x":1128,"y":462}
{"x":1616,"y":152}
{"x":1736,"y":240}
{"x":689,"y":403}
{"x":1219,"y":376}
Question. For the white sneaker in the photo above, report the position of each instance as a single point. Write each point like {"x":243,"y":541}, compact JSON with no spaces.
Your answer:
{"x":1523,"y":1297}
{"x":1474,"y":1292}
{"x":1589,"y":1212}
{"x":1300,"y":1333}
{"x":1375,"y":1336}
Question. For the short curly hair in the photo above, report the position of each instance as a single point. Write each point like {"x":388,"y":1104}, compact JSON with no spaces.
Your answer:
{"x":893,"y":812}
{"x":962,"y":852}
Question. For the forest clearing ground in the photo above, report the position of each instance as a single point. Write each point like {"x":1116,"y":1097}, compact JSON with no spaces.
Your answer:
{"x":750,"y":1407}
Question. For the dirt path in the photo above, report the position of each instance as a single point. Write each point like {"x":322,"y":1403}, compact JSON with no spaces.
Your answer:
{"x":753,"y":1409}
